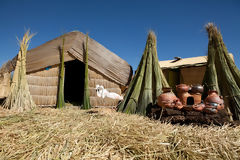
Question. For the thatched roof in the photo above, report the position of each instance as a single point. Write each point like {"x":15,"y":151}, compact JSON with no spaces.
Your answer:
{"x":100,"y":58}
{"x":184,"y":62}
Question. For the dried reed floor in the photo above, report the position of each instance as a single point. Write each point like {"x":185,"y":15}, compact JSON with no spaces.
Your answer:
{"x":104,"y":134}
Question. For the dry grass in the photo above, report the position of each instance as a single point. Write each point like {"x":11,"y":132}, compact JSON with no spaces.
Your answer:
{"x":103,"y":134}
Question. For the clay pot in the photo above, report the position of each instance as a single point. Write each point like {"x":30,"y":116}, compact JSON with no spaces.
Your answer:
{"x":220,"y":107}
{"x":199,"y":107}
{"x":178,"y":104}
{"x":197,"y":89}
{"x":197,"y":98}
{"x":182,"y":92}
{"x":213,"y":97}
{"x":214,"y":101}
{"x":167,"y":98}
{"x":182,"y":88}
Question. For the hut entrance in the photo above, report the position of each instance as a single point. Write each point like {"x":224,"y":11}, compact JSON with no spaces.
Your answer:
{"x":74,"y":82}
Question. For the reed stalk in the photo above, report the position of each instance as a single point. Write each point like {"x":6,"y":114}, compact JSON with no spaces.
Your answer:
{"x":60,"y":98}
{"x":86,"y":99}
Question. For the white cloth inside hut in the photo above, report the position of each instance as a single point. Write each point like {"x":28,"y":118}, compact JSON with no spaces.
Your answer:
{"x":101,"y":92}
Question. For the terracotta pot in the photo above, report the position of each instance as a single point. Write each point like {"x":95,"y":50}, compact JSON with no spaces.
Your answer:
{"x":197,"y":98}
{"x":197,"y":89}
{"x":220,"y":107}
{"x":178,"y":104}
{"x":213,"y":100}
{"x":166,"y":89}
{"x":167,"y":98}
{"x":199,"y":107}
{"x":182,"y":88}
{"x":213,"y":97}
{"x":182,"y":92}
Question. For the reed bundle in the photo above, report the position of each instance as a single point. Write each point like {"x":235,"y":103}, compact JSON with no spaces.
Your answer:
{"x":86,"y":99}
{"x":221,"y":72}
{"x":60,"y":98}
{"x":19,"y":98}
{"x":147,"y":83}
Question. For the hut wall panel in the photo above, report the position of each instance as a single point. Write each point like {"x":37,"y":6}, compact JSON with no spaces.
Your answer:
{"x":4,"y":84}
{"x":96,"y":78}
{"x":192,"y":75}
{"x":43,"y":86}
{"x":42,"y":81}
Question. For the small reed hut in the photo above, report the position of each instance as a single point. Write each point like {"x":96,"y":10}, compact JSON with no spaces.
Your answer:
{"x":105,"y":68}
{"x":184,"y":70}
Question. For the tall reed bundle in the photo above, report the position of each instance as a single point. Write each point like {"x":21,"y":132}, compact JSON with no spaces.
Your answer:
{"x":19,"y":98}
{"x":86,"y":99}
{"x":227,"y":76}
{"x":210,"y":80}
{"x":147,"y":83}
{"x":60,"y":98}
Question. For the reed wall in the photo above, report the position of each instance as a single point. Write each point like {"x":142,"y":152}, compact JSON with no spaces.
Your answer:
{"x":43,"y":86}
{"x":5,"y":79}
{"x":192,"y":75}
{"x":96,"y":78}
{"x":186,"y":75}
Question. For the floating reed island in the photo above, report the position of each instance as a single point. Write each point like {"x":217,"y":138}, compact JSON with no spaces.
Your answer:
{"x":71,"y":68}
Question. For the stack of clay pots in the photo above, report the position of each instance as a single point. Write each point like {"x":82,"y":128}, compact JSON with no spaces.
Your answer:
{"x":212,"y":104}
{"x":196,"y":92}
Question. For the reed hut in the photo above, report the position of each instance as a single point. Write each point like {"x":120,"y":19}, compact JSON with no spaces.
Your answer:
{"x":184,"y":70}
{"x":105,"y":68}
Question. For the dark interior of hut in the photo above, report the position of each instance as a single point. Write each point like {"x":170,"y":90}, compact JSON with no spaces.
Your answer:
{"x":74,"y":82}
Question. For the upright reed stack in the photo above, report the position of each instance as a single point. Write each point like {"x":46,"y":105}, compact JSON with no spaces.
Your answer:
{"x":221,"y":72}
{"x":19,"y":98}
{"x":147,"y":83}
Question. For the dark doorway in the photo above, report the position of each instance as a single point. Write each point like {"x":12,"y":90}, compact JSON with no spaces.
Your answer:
{"x":74,"y":82}
{"x":190,"y":101}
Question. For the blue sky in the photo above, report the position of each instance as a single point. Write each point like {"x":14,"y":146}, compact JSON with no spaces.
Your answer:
{"x":122,"y":26}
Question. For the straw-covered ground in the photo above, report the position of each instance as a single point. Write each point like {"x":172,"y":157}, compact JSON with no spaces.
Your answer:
{"x":103,"y":134}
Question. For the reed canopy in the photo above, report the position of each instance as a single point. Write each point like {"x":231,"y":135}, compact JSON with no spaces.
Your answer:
{"x":147,"y":83}
{"x":221,"y":73}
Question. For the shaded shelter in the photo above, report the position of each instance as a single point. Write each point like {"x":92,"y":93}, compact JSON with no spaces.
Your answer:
{"x":105,"y":68}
